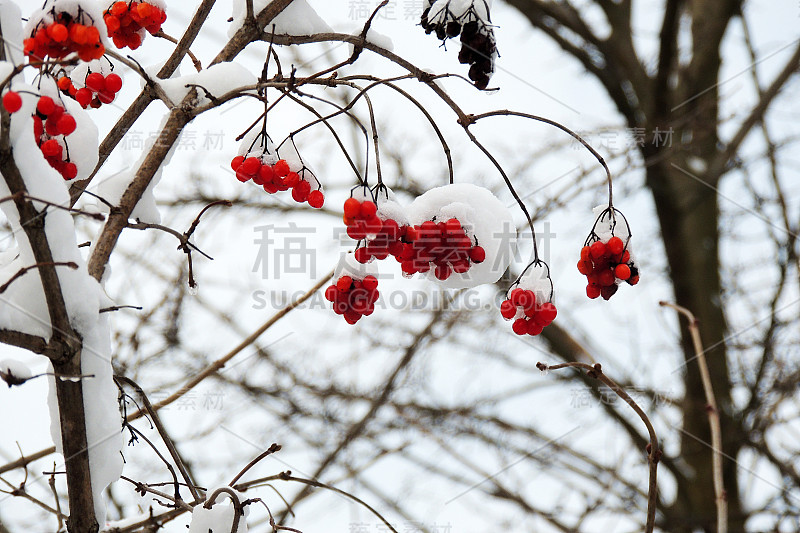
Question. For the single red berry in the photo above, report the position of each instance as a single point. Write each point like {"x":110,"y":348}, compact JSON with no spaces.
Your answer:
{"x":615,"y":245}
{"x":70,"y":171}
{"x":106,"y":97}
{"x":113,"y":83}
{"x":597,"y":250}
{"x":112,"y":24}
{"x":622,"y":272}
{"x":508,"y":310}
{"x":370,"y":283}
{"x":442,"y":272}
{"x":368,"y":209}
{"x":316,"y":199}
{"x":64,"y":83}
{"x":66,"y":124}
{"x":548,"y":313}
{"x":352,"y":208}
{"x":477,"y":254}
{"x":51,"y":148}
{"x":250,"y":166}
{"x":84,"y":97}
{"x":520,"y":326}
{"x":585,"y":267}
{"x":362,"y":255}
{"x":236,"y":162}
{"x":96,"y":82}
{"x":12,"y":101}
{"x":291,"y":179}
{"x":585,"y":253}
{"x":533,"y":328}
{"x":330,"y":293}
{"x":265,"y":174}
{"x":633,"y":280}
{"x":58,"y":32}
{"x":45,"y":105}
{"x":344,"y":283}
{"x":592,"y":291}
{"x":281,"y":168}
{"x":516,"y":296}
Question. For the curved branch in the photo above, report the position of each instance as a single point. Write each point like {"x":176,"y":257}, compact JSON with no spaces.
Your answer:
{"x":653,"y":452}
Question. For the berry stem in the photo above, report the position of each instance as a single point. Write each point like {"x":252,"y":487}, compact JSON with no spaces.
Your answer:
{"x":506,"y":112}
{"x":510,"y":188}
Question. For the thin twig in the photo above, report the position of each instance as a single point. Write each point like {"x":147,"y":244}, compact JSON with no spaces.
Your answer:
{"x":24,"y":270}
{"x":653,"y":452}
{"x":720,"y":496}
{"x":196,"y":62}
{"x":173,"y":451}
{"x":287,"y":476}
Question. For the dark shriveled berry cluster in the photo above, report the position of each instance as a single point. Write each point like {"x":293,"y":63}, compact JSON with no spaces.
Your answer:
{"x":478,"y":46}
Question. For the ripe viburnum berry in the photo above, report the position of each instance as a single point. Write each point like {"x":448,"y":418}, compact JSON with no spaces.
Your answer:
{"x":12,"y":101}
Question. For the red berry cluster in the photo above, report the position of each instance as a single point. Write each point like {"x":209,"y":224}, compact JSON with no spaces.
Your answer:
{"x":353,"y":298}
{"x":126,"y":20}
{"x":12,"y":101}
{"x":277,"y":177}
{"x":530,"y":317}
{"x":50,"y":122}
{"x":97,"y":89}
{"x":605,"y":264}
{"x":441,"y":246}
{"x":63,"y":36}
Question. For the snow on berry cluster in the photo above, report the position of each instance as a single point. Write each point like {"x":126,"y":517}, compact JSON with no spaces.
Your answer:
{"x":606,"y":258}
{"x":91,"y":84}
{"x":63,"y":27}
{"x":129,"y":22}
{"x":529,"y":301}
{"x":471,"y":20}
{"x":354,"y":290}
{"x":458,"y":235}
{"x":442,"y":247}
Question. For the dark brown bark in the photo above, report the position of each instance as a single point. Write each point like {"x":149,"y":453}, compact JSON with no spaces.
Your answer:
{"x":686,"y":205}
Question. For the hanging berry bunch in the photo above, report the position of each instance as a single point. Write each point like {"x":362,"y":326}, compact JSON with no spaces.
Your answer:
{"x":377,"y":221}
{"x":128,"y":22}
{"x":354,"y":290}
{"x":61,"y":28}
{"x":258,"y":160}
{"x":51,"y":125}
{"x":91,"y":84}
{"x":471,"y":20}
{"x":606,"y":258}
{"x":529,"y":300}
